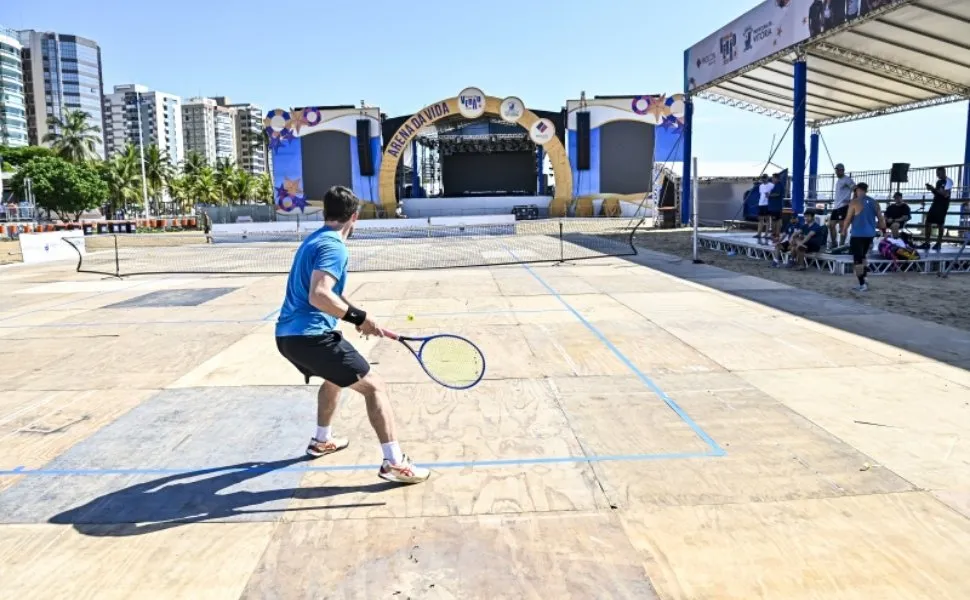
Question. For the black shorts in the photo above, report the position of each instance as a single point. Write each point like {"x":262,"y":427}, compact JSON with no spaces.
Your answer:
{"x":813,"y":247}
{"x":839,"y":214}
{"x":763,"y":211}
{"x":936,"y":215}
{"x":329,"y":357}
{"x":860,"y":247}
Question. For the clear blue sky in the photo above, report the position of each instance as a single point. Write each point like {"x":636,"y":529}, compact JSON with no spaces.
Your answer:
{"x":402,"y":56}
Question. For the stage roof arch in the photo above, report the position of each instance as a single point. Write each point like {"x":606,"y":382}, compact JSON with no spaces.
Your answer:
{"x":896,"y":55}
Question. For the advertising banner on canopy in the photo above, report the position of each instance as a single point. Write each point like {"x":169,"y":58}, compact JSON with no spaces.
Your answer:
{"x":769,"y":28}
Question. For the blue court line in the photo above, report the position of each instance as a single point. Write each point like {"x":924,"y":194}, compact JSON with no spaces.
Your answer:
{"x":270,"y":315}
{"x":57,"y":325}
{"x":715,"y":447}
{"x":256,"y":468}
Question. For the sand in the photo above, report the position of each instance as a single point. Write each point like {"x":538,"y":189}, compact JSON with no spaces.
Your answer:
{"x":10,"y":252}
{"x":928,"y":297}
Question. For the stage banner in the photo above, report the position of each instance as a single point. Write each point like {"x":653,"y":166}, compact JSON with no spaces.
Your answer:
{"x":769,"y":28}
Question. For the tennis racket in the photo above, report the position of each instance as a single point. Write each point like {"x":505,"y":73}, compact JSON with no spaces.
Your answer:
{"x":450,"y":360}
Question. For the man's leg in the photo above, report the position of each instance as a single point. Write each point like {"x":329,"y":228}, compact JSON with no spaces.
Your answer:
{"x":328,"y":397}
{"x":396,"y":466}
{"x":832,"y":233}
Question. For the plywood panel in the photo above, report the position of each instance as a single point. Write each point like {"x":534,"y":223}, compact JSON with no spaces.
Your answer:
{"x":448,"y":492}
{"x":36,"y":427}
{"x":892,"y":547}
{"x":912,"y":422}
{"x":201,"y":561}
{"x":771,"y":454}
{"x":569,"y":556}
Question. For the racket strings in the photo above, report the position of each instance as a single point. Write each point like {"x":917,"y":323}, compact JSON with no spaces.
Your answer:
{"x":452,"y":361}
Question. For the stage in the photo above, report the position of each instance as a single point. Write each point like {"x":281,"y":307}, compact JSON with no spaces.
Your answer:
{"x":744,"y":244}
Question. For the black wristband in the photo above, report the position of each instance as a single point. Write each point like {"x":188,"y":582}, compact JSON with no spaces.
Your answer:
{"x":355,"y":315}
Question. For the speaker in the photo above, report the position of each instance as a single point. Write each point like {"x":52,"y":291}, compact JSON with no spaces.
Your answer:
{"x":900,"y":173}
{"x":582,"y":141}
{"x":363,"y":148}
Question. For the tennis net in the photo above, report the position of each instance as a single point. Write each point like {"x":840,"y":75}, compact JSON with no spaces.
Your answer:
{"x":371,"y":248}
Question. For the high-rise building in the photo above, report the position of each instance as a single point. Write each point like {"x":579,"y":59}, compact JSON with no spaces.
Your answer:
{"x":62,"y":73}
{"x":225,"y":133}
{"x":198,"y":127}
{"x":160,"y":115}
{"x":248,"y":124}
{"x":13,"y":105}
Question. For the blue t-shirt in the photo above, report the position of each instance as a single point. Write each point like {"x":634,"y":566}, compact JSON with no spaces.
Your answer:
{"x":323,"y":250}
{"x":816,"y":228}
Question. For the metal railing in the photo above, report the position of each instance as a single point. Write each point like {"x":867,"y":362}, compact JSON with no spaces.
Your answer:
{"x":13,"y":213}
{"x":880,"y":185}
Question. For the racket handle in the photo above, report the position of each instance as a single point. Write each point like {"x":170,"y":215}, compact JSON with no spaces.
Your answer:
{"x":389,"y":334}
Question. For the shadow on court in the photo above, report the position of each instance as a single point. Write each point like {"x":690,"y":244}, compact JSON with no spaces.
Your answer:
{"x":193,"y":497}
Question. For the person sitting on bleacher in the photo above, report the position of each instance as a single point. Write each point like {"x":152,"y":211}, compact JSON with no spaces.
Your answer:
{"x":784,"y":243}
{"x":897,"y":214}
{"x":811,"y":240}
{"x":936,"y":215}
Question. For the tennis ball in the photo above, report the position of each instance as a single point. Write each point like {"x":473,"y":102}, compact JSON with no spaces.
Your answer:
{"x":410,"y":317}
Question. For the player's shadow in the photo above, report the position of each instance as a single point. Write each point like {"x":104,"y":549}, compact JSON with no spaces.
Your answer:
{"x":193,"y":497}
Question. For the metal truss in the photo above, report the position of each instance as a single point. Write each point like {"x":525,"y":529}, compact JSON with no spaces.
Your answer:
{"x":900,"y":72}
{"x":939,"y":101}
{"x":745,"y":105}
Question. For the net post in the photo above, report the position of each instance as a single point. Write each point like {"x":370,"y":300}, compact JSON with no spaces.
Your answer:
{"x":562,"y":248}
{"x":117,"y":258}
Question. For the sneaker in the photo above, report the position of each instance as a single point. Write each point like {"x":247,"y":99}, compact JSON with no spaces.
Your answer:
{"x":318,"y":448}
{"x":403,"y":472}
{"x":862,"y":288}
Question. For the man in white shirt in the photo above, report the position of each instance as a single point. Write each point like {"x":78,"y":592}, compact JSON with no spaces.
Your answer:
{"x":764,"y":220}
{"x":842,"y":196}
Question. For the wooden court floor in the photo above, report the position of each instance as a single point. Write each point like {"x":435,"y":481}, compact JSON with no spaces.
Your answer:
{"x":637,"y":435}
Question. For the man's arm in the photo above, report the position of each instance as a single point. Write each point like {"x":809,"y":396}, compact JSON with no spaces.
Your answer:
{"x":881,"y":217}
{"x":324,"y":298}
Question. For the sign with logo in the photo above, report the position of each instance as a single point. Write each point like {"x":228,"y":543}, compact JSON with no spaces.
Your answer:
{"x":511,"y":109}
{"x":471,"y":103}
{"x":769,"y":28}
{"x":542,"y":131}
{"x":51,"y":246}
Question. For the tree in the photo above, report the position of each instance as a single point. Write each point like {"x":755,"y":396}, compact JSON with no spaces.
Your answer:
{"x":73,"y":138}
{"x":225,"y":175}
{"x":15,"y":157}
{"x":263,"y":188}
{"x":122,"y":173}
{"x":158,"y":170}
{"x":63,"y":187}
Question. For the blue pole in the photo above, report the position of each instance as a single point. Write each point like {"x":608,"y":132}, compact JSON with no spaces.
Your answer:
{"x":798,"y":138}
{"x":813,"y":166}
{"x":415,"y":179}
{"x":966,"y":157}
{"x":685,"y":183}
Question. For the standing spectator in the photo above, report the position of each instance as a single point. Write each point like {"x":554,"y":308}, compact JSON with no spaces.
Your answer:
{"x":864,"y":215}
{"x":936,"y":215}
{"x":897,"y":214}
{"x":764,"y":223}
{"x":776,"y":202}
{"x":843,"y":195}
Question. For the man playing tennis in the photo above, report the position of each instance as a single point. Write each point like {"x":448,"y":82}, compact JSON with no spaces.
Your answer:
{"x":306,"y":335}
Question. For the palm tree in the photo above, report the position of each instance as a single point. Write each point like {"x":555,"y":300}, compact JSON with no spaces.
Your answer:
{"x":122,"y":173}
{"x":225,"y":175}
{"x":180,"y":190}
{"x":263,"y":188}
{"x":73,"y":138}
{"x":204,"y":186}
{"x":158,"y":170}
{"x":244,"y":186}
{"x":193,"y":163}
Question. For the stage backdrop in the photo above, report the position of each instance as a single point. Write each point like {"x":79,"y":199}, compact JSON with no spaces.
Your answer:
{"x":315,"y":148}
{"x":627,"y":135}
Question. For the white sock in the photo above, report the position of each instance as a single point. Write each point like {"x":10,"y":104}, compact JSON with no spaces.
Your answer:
{"x":392,"y":452}
{"x":323,"y":433}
